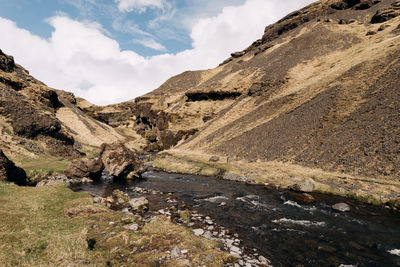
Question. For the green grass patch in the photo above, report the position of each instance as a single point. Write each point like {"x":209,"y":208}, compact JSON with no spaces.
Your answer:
{"x":43,"y":166}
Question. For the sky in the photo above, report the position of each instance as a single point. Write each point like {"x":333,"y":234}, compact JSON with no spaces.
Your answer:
{"x":110,"y":51}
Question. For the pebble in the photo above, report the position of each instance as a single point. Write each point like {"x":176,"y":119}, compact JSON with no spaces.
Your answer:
{"x":198,"y":232}
{"x":132,"y":227}
{"x":342,"y":207}
{"x":235,"y":250}
{"x":184,"y":251}
{"x":208,"y":221}
{"x":175,"y":252}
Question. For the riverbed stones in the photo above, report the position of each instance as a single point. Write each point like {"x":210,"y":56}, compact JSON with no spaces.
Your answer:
{"x":140,"y":204}
{"x":198,"y":232}
{"x":342,"y":207}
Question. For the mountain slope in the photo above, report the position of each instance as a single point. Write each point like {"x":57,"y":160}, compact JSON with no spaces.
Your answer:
{"x":42,"y":128}
{"x":319,"y":90}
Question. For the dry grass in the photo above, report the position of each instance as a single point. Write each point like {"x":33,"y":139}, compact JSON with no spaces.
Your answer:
{"x":51,"y":226}
{"x":373,"y":190}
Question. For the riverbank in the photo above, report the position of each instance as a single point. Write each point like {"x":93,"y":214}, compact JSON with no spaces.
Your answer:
{"x":55,"y":226}
{"x":377,"y":191}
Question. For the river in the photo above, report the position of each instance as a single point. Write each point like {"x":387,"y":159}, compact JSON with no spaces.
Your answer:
{"x":274,"y":223}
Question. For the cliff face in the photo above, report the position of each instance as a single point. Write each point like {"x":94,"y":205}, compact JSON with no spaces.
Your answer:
{"x":319,"y":89}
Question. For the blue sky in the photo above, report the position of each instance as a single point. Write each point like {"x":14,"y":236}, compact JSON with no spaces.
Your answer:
{"x":165,"y":29}
{"x":109,"y":51}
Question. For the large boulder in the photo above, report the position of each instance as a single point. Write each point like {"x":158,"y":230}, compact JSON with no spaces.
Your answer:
{"x":120,"y":162}
{"x":85,"y":168}
{"x":10,"y":172}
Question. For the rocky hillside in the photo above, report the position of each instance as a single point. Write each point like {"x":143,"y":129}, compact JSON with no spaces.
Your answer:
{"x":42,"y":127}
{"x":319,"y":89}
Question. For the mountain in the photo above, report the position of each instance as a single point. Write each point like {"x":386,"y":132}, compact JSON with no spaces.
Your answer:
{"x":316,"y":98}
{"x":319,"y":91}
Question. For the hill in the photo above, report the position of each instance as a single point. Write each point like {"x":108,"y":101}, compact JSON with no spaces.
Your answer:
{"x":41,"y":128}
{"x":316,"y":97}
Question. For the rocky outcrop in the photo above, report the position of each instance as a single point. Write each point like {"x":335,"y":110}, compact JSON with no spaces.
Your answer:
{"x":387,"y":13}
{"x":10,"y":172}
{"x":120,"y":162}
{"x":6,"y":62}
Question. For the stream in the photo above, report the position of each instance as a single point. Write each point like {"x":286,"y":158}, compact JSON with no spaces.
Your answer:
{"x":274,"y":223}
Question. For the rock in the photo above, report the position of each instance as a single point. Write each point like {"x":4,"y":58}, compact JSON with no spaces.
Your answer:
{"x":95,"y":168}
{"x":304,"y":198}
{"x":97,"y":200}
{"x":10,"y":172}
{"x":387,"y":13}
{"x":263,"y":260}
{"x":214,"y":159}
{"x":235,"y":250}
{"x":7,"y":63}
{"x":371,"y":33}
{"x":132,"y":227}
{"x":198,"y":232}
{"x":84,"y":168}
{"x":120,"y":162}
{"x":238,"y":54}
{"x":175,"y":252}
{"x":127,"y":219}
{"x":86,"y":180}
{"x":118,"y":200}
{"x":77,"y":169}
{"x":140,"y":204}
{"x":342,"y":207}
{"x":306,"y":186}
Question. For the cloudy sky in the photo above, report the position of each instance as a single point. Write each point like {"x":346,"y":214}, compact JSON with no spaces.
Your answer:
{"x":109,"y":51}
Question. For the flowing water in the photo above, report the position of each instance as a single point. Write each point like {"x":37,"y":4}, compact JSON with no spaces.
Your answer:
{"x":285,"y":231}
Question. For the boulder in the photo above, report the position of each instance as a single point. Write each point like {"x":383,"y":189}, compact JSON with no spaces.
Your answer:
{"x":306,"y":186}
{"x":120,"y":162}
{"x":10,"y":172}
{"x":342,"y":207}
{"x":77,"y":169}
{"x":139,"y":205}
{"x":85,"y":168}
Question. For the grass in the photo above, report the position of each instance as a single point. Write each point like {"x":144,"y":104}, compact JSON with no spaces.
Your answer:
{"x":53,"y":226}
{"x":42,"y":166}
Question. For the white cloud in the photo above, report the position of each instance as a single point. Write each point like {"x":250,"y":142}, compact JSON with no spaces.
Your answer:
{"x":80,"y":58}
{"x":139,"y":5}
{"x":151,"y":43}
{"x":126,"y":26}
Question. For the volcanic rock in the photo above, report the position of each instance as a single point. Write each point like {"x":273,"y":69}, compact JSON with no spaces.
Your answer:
{"x":6,"y":62}
{"x":387,"y":13}
{"x":84,"y":168}
{"x":10,"y":172}
{"x":120,"y":162}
